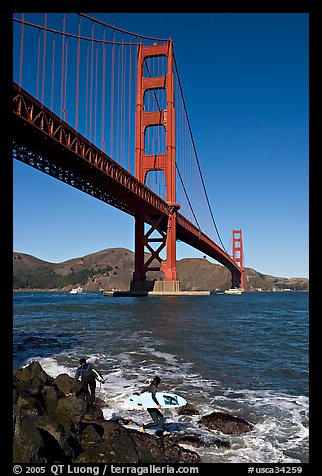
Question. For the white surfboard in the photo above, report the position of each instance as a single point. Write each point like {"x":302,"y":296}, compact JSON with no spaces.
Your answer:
{"x":97,"y":376}
{"x":166,"y":400}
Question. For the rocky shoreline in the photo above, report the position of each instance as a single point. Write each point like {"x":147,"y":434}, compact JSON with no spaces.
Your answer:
{"x":52,"y":428}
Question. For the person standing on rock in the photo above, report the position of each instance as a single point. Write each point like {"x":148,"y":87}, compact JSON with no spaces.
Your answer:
{"x":155,"y":414}
{"x":88,"y":375}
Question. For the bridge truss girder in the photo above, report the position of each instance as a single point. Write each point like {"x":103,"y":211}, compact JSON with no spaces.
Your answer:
{"x":44,"y":141}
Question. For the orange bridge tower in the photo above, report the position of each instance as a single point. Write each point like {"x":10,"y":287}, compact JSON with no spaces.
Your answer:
{"x":237,"y":255}
{"x":163,"y":227}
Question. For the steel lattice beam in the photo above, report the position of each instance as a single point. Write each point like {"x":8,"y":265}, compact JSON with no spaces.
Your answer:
{"x":44,"y":141}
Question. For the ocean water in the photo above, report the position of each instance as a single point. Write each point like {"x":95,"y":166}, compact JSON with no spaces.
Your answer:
{"x":246,"y":355}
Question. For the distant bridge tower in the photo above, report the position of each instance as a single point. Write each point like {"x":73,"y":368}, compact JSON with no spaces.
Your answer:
{"x":165,"y":162}
{"x":237,"y":255}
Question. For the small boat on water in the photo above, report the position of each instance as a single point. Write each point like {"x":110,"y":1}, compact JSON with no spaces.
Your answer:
{"x":233,"y":291}
{"x":77,"y":290}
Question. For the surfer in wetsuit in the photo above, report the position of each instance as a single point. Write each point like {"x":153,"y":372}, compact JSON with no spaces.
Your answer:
{"x":88,"y":374}
{"x":155,"y":414}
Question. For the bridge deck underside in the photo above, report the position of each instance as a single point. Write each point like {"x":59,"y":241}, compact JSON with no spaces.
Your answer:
{"x":44,"y":141}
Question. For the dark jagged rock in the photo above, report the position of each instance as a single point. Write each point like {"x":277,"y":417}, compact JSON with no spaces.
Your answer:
{"x":112,"y":428}
{"x":197,"y":441}
{"x":28,"y":445}
{"x":226,"y":423}
{"x":27,"y":402}
{"x":89,"y":437}
{"x":93,"y":414}
{"x":99,"y":403}
{"x":114,"y":450}
{"x":49,"y":397}
{"x":64,"y":383}
{"x":161,"y":450}
{"x":50,"y":427}
{"x":33,"y":374}
{"x":58,"y":434}
{"x":73,"y":407}
{"x":188,"y":409}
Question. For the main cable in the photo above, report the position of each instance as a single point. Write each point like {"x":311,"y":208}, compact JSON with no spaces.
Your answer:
{"x":196,"y":155}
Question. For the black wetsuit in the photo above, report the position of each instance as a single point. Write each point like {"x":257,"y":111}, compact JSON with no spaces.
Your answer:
{"x":156,"y":415}
{"x":88,"y":382}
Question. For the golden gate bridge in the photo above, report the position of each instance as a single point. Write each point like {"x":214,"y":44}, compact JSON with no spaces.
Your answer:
{"x":102,"y":109}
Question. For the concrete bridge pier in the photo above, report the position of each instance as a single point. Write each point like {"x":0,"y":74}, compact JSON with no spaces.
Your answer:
{"x":156,"y":286}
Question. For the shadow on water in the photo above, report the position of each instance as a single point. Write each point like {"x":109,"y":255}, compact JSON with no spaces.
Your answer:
{"x":28,"y":344}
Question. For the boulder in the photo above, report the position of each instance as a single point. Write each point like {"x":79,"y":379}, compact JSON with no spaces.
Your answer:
{"x":188,"y":409}
{"x":24,"y":401}
{"x":64,"y":383}
{"x":50,"y":427}
{"x":56,"y":435}
{"x":93,"y":414}
{"x":73,"y":407}
{"x":28,"y":444}
{"x":49,"y":397}
{"x":199,"y":441}
{"x":226,"y":423}
{"x":89,"y":437}
{"x":161,"y":450}
{"x":112,"y":428}
{"x":99,"y":403}
{"x":118,"y":449}
{"x":34,"y":374}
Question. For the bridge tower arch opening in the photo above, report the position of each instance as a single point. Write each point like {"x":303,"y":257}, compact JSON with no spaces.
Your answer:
{"x":165,"y":161}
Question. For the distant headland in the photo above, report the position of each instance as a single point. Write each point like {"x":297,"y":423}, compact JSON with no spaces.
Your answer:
{"x":112,"y":268}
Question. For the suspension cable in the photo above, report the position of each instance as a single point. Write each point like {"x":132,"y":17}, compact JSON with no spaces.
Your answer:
{"x":21,"y":48}
{"x":196,"y":155}
{"x":120,"y":30}
{"x":72,"y":35}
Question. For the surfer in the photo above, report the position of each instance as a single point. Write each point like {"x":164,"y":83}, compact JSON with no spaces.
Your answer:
{"x":88,"y":374}
{"x":155,"y":414}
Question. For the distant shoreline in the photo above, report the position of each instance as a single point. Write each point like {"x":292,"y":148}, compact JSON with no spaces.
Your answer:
{"x":93,"y":291}
{"x":113,"y":269}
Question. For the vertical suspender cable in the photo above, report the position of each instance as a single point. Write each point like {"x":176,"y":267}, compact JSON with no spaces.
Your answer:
{"x":119,"y":89}
{"x":53,"y":73}
{"x":91,"y":86}
{"x":96,"y":91}
{"x":112,"y":99}
{"x":129,"y":110}
{"x":122,"y":99}
{"x":62,"y":69}
{"x":21,"y":47}
{"x":196,"y":156}
{"x":103,"y":92}
{"x":38,"y":66}
{"x":44,"y":61}
{"x":65,"y":83}
{"x":118,"y":125}
{"x":86,"y":92}
{"x":77,"y":74}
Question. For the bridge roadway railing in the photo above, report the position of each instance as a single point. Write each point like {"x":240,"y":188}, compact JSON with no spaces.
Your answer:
{"x":46,"y":142}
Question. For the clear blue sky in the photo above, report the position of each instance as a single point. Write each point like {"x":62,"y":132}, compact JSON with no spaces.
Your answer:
{"x":245,"y":82}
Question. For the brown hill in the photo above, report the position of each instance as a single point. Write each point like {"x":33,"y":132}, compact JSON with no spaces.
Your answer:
{"x":113,"y":269}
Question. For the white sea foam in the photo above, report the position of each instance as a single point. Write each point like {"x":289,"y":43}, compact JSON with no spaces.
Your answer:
{"x":50,"y":366}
